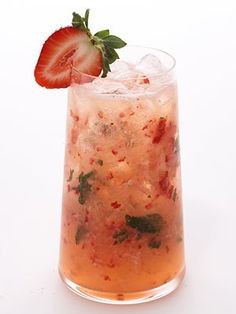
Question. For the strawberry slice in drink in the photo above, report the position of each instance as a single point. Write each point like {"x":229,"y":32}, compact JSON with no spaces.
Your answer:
{"x":75,"y":47}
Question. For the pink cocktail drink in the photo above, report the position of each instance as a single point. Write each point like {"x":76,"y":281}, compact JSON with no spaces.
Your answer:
{"x":122,"y":232}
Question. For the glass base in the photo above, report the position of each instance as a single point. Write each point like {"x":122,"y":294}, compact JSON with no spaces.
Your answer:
{"x":128,"y":297}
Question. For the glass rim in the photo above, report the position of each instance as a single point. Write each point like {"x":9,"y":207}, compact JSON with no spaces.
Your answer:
{"x":152,"y":76}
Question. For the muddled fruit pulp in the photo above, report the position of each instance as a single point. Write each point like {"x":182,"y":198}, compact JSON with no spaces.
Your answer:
{"x":122,"y":211}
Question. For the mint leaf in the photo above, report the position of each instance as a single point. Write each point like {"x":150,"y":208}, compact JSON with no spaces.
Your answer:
{"x":84,"y":187}
{"x":80,"y":233}
{"x":149,"y":224}
{"x":102,"y":33}
{"x":113,"y":42}
{"x":120,"y":236}
{"x":138,"y":236}
{"x":174,"y":195}
{"x":154,"y":244}
{"x":176,"y":149}
{"x":100,"y":162}
{"x":71,"y":175}
{"x":179,"y":238}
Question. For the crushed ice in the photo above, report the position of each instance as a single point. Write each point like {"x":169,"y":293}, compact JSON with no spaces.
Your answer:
{"x":150,"y":65}
{"x":128,"y":78}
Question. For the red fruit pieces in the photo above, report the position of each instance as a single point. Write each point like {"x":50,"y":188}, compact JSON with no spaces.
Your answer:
{"x":74,"y":135}
{"x":115,"y":205}
{"x":165,"y":186}
{"x":110,"y":176}
{"x":146,"y":80}
{"x":122,"y":159}
{"x":164,"y":182}
{"x":106,"y":277}
{"x":74,"y":116}
{"x":160,"y":130}
{"x":114,"y":152}
{"x":148,"y":206}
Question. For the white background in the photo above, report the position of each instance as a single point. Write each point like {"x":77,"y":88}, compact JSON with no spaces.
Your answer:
{"x":202,"y":37}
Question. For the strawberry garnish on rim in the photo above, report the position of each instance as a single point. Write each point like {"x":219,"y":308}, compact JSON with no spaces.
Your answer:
{"x":75,"y":47}
{"x":64,"y":49}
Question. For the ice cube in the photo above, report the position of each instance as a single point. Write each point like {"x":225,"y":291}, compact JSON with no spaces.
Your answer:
{"x":150,"y":64}
{"x":104,"y":86}
{"x":120,"y":66}
{"x":120,"y":70}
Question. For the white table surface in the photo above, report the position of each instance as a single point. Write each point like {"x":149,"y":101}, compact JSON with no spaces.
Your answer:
{"x":201,"y":34}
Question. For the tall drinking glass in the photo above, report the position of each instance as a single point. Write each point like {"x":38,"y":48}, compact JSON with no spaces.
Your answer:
{"x":122,"y":229}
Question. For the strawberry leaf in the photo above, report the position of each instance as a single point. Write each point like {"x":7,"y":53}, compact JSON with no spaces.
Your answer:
{"x":103,"y":33}
{"x":105,"y":42}
{"x":86,"y":17}
{"x":105,"y":67}
{"x":111,"y":54}
{"x":77,"y":21}
{"x":114,"y":42}
{"x":81,"y":22}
